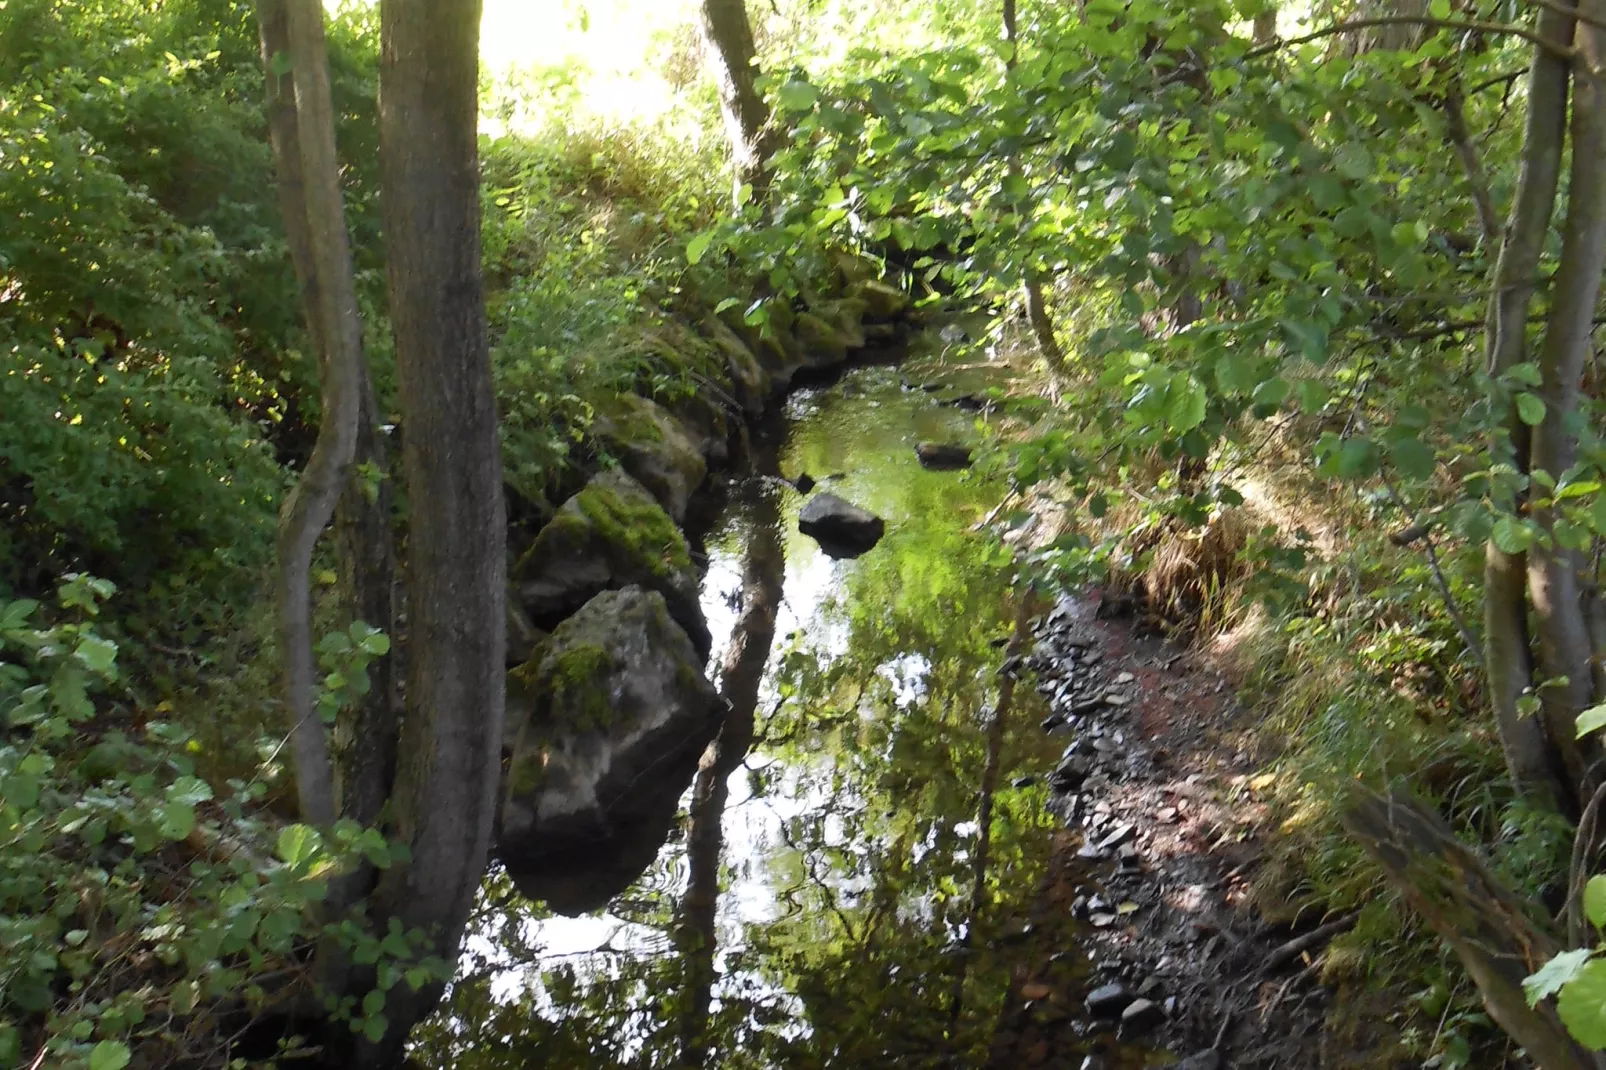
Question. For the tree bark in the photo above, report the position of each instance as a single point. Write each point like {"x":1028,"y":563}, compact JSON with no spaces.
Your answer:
{"x":741,"y":676}
{"x":1565,"y":650}
{"x":448,"y":764}
{"x":1466,"y":150}
{"x":301,"y":122}
{"x":1507,"y":646}
{"x":729,"y":35}
{"x":1468,"y":906}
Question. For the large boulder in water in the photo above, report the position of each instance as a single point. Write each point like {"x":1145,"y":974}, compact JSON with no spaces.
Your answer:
{"x":653,"y":447}
{"x":841,"y":528}
{"x":612,"y":534}
{"x":608,"y":720}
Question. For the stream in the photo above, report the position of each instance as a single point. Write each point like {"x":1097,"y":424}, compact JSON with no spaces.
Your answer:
{"x":820,"y":902}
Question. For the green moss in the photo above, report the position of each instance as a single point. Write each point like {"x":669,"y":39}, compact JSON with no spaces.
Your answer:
{"x":568,"y":680}
{"x":635,"y":527}
{"x":527,"y":773}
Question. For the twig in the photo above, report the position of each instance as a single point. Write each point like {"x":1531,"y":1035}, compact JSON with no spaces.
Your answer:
{"x":1577,"y":874}
{"x":1296,"y":947}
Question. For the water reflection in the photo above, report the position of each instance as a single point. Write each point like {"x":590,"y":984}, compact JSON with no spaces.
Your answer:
{"x":835,"y":899}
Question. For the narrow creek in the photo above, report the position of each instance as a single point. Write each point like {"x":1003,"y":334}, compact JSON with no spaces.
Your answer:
{"x":826,"y":898}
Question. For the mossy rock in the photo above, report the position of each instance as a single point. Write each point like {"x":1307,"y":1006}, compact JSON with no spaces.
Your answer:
{"x":612,"y":534}
{"x":846,"y":314}
{"x":883,"y":303}
{"x":824,"y":343}
{"x":654,"y":447}
{"x":852,"y":268}
{"x":750,"y":383}
{"x":707,"y":422}
{"x":614,"y":713}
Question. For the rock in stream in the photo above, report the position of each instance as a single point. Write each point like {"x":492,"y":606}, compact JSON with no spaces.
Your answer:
{"x":841,"y":528}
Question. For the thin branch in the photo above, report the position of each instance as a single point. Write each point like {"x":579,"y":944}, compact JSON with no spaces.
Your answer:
{"x":1473,"y":25}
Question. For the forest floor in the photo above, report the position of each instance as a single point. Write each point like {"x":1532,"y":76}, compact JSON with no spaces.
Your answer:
{"x":1145,"y":938}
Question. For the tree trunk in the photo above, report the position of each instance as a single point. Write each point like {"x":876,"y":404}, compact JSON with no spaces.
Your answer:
{"x":1031,"y":287}
{"x":1474,"y":913}
{"x":1507,"y":648}
{"x":301,"y":122}
{"x":730,"y":39}
{"x":367,"y":751}
{"x":742,"y":674}
{"x":448,"y":765}
{"x":1565,"y":650}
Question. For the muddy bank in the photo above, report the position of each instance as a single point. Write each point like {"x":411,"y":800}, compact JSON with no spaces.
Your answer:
{"x":1144,"y":939}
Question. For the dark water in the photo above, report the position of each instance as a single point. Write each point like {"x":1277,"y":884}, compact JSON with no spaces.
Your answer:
{"x":820,"y":903}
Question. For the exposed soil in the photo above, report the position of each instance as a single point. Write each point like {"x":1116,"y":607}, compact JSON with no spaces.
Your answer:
{"x":1144,"y":940}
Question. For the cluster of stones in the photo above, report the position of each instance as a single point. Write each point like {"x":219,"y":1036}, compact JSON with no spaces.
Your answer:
{"x":609,"y":705}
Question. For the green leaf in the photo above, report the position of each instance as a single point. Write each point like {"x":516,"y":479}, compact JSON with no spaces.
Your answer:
{"x":298,"y":845}
{"x":1512,"y":536}
{"x":1272,"y":392}
{"x":1582,"y":1005}
{"x":110,"y":1055}
{"x":797,"y":95}
{"x":189,"y":789}
{"x":1413,"y":458}
{"x":280,"y":64}
{"x":1185,"y":408}
{"x":374,"y":1026}
{"x":1439,"y":9}
{"x":177,"y":820}
{"x":1591,"y":720}
{"x":373,"y":1002}
{"x":1554,"y":974}
{"x":698,"y":246}
{"x":1530,"y":409}
{"x":1595,"y":901}
{"x":98,"y":655}
{"x":16,"y":614}
{"x":21,"y":790}
{"x":1581,"y":489}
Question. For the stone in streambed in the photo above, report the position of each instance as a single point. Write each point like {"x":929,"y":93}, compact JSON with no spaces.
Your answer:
{"x":841,"y":528}
{"x":1108,"y":1001}
{"x":943,"y":456}
{"x":612,"y":534}
{"x":607,"y":722}
{"x":1141,"y":1014}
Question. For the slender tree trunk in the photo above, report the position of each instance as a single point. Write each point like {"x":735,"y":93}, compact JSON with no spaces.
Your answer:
{"x":301,"y":118}
{"x":447,"y":770}
{"x":367,"y":751}
{"x":1466,"y":150}
{"x":1562,"y":628}
{"x":729,"y":35}
{"x":742,"y":674}
{"x":1507,"y":649}
{"x":1031,"y":286}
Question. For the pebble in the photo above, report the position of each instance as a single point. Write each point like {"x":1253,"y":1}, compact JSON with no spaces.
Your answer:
{"x":1140,"y":1014}
{"x":1125,"y":678}
{"x":1117,"y":836}
{"x":1116,"y":699}
{"x":1108,"y":1001}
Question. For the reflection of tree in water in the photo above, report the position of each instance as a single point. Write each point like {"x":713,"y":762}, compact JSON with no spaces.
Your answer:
{"x":763,"y":573}
{"x":875,"y":757}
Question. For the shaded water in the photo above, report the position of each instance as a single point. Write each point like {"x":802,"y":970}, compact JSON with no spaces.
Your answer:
{"x":818,"y":904}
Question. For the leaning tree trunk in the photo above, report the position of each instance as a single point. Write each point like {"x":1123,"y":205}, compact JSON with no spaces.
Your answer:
{"x":1560,"y":621}
{"x":1469,"y":907}
{"x":302,"y":127}
{"x":1507,"y":644}
{"x":735,"y":57}
{"x":447,"y":769}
